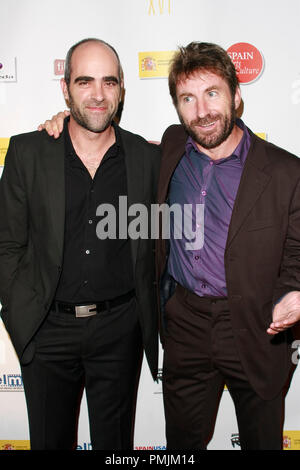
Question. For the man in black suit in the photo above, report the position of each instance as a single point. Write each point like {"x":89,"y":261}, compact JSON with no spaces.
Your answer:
{"x":78,"y":303}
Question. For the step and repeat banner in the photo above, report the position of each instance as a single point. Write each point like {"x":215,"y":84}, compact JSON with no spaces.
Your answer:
{"x":261,"y":39}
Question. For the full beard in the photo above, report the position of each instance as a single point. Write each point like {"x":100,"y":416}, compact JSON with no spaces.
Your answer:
{"x":213,"y":140}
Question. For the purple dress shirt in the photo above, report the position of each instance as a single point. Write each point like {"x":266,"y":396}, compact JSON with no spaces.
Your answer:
{"x":198,"y":179}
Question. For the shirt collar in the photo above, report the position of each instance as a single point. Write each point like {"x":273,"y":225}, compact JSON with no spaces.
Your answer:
{"x":240,"y":151}
{"x":114,"y":150}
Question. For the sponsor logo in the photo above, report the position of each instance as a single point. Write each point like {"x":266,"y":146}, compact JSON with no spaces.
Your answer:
{"x":148,"y":63}
{"x":8,"y":69}
{"x":154,"y":64}
{"x":158,"y":386}
{"x":248,"y":61}
{"x":84,"y":446}
{"x":11,"y":383}
{"x":262,"y":135}
{"x":287,"y":442}
{"x":4,"y":142}
{"x":59,"y":67}
{"x":235,"y":440}
{"x":8,"y":447}
{"x":6,"y":78}
{"x":14,"y":445}
{"x":291,"y":440}
{"x":150,"y":447}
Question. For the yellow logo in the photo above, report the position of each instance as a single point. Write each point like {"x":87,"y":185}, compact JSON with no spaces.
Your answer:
{"x":154,"y":64}
{"x":159,"y":5}
{"x":291,"y":440}
{"x":148,"y":64}
{"x":3,"y":149}
{"x":262,"y":135}
{"x":14,"y":445}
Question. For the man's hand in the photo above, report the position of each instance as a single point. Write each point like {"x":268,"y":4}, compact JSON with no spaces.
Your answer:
{"x":286,"y":313}
{"x":55,"y":126}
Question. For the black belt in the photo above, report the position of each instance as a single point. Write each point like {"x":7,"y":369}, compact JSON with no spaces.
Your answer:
{"x":91,"y":309}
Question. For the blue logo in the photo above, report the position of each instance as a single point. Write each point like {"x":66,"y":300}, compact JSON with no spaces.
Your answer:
{"x":11,"y":383}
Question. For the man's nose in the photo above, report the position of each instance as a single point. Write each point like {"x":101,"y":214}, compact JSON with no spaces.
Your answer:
{"x":98,"y":91}
{"x":202,"y":107}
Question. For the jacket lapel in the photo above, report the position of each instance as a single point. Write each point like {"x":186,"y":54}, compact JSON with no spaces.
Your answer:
{"x":172,"y":153}
{"x":135,"y":180}
{"x":253,"y":182}
{"x":53,"y":161}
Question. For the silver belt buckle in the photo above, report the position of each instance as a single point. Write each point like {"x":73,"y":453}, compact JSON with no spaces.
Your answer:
{"x":82,"y":311}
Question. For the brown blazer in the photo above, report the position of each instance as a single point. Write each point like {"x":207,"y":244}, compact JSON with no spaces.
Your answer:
{"x":262,"y":255}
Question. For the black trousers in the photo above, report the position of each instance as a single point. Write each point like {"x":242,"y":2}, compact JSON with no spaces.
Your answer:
{"x":200,"y":356}
{"x":102,"y":354}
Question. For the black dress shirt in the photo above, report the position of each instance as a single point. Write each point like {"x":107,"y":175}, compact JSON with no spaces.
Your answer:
{"x":93,"y":270}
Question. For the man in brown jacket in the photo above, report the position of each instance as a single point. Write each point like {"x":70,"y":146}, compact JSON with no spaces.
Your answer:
{"x":227,"y":305}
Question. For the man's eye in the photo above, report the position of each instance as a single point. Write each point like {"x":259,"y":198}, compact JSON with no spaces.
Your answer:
{"x":187,"y":99}
{"x":212,"y":93}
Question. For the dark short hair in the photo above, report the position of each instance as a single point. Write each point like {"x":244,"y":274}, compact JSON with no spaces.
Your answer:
{"x":67,"y":74}
{"x":201,"y":56}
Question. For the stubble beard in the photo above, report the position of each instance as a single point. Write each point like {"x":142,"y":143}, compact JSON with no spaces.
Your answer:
{"x":86,"y":121}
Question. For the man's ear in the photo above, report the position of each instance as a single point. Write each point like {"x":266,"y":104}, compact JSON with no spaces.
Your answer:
{"x":122,"y":90}
{"x":64,"y":88}
{"x":237,"y":97}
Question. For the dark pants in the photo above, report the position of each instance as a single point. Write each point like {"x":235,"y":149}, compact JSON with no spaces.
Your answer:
{"x":102,"y":354}
{"x":200,"y":356}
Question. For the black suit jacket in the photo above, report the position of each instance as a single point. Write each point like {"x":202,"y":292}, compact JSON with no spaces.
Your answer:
{"x":262,"y":256}
{"x":32,"y":213}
